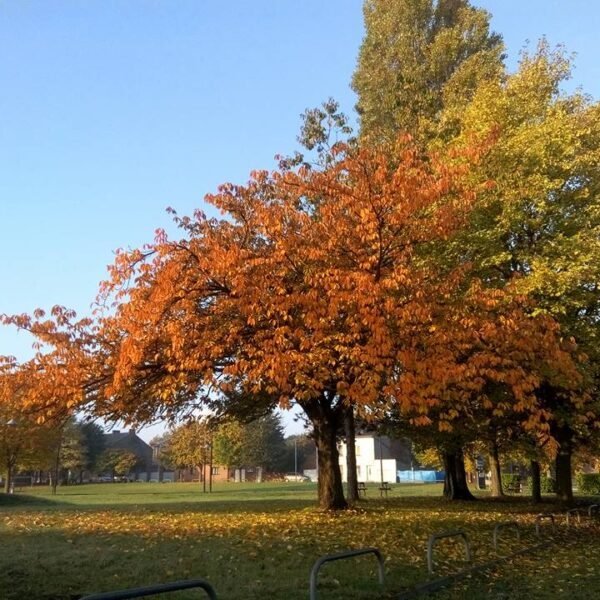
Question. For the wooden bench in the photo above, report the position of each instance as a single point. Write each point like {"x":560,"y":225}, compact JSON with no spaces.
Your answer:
{"x":362,"y":489}
{"x":384,"y":488}
{"x":514,"y":487}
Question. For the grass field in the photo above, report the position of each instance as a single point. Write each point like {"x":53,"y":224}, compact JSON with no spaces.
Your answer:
{"x":257,"y":540}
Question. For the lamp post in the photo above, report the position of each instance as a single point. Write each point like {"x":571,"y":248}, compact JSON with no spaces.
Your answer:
{"x":380,"y":460}
{"x":295,"y":457}
{"x":158,"y":450}
{"x":210,"y":465}
{"x":207,"y":454}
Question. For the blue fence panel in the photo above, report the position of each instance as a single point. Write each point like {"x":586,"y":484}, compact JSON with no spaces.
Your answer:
{"x":420,"y":476}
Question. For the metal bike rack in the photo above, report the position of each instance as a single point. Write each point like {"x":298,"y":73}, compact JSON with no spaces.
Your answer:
{"x":501,"y":526}
{"x":430,"y":586}
{"x":314,"y":572}
{"x":539,"y":519}
{"x":573,"y":511}
{"x":451,"y":534}
{"x":154,"y":590}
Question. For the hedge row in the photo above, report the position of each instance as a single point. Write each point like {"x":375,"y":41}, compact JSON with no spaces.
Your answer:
{"x":588,"y":483}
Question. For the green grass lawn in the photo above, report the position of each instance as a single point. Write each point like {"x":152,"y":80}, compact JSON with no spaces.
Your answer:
{"x":257,"y":540}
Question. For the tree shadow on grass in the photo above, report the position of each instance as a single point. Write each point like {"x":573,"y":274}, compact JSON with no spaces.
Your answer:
{"x":27,"y":501}
{"x":521,"y":504}
{"x":213,"y":506}
{"x":210,"y":505}
{"x":53,"y":564}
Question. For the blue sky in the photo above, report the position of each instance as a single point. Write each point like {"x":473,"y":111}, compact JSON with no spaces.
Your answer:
{"x":112,"y":110}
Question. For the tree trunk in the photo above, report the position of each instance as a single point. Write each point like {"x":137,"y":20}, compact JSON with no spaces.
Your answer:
{"x":564,"y":480}
{"x":563,"y":435}
{"x":8,"y":480}
{"x":350,"y":432}
{"x":326,"y":418}
{"x":536,"y":483}
{"x":210,"y":469}
{"x":495,"y":468}
{"x":331,"y":492}
{"x":455,"y":480}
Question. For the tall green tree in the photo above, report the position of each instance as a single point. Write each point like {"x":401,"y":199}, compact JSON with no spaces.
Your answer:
{"x":418,"y":59}
{"x":259,"y":443}
{"x":94,"y":441}
{"x":420,"y":63}
{"x":300,"y":449}
{"x":72,"y":457}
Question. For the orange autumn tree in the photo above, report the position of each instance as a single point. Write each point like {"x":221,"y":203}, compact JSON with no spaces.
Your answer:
{"x":60,"y":378}
{"x":314,"y":288}
{"x":491,"y":360}
{"x":15,"y":428}
{"x":42,"y":394}
{"x":62,"y":375}
{"x":27,"y":429}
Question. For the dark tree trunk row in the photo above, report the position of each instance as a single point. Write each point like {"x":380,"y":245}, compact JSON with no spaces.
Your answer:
{"x":9,"y":477}
{"x":564,"y":478}
{"x":563,"y":434}
{"x":496,"y":469}
{"x":536,"y":482}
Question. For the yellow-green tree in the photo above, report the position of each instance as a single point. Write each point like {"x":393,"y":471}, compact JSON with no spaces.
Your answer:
{"x":258,"y":443}
{"x":189,"y":445}
{"x":538,"y":228}
{"x":117,"y":461}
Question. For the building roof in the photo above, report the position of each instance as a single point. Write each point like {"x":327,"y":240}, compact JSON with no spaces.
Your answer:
{"x":128,"y":440}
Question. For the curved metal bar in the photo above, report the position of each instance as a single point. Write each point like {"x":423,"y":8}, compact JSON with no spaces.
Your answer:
{"x":154,"y":590}
{"x":451,"y":534}
{"x":593,"y":507}
{"x":314,"y":572}
{"x":498,"y":528}
{"x":541,"y":517}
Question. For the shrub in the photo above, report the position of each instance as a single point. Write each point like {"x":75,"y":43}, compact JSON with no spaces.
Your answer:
{"x":588,"y":483}
{"x":511,"y":481}
{"x":547,"y":485}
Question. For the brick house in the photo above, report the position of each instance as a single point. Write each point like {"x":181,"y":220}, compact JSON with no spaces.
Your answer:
{"x":219,"y":474}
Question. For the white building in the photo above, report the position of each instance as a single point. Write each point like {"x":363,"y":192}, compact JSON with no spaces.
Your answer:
{"x":378,"y":458}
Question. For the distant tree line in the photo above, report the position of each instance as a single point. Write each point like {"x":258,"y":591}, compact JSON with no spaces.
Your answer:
{"x":232,"y":443}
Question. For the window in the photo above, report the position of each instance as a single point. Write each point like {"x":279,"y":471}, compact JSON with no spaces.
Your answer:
{"x":215,"y":470}
{"x":357,"y":450}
